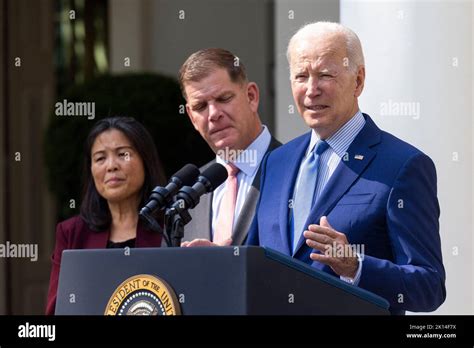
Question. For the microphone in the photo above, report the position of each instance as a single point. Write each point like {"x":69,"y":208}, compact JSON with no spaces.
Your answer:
{"x":208,"y":181}
{"x":161,"y":197}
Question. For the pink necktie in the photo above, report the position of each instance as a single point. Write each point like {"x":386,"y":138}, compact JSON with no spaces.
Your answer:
{"x":225,"y":220}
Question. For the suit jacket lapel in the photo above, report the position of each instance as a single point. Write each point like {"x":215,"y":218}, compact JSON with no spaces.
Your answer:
{"x":245,"y":218}
{"x":359,"y":155}
{"x":289,"y":173}
{"x":247,"y":213}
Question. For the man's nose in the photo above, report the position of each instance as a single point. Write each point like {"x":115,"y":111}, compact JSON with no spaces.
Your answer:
{"x":214,"y":112}
{"x":313,"y":89}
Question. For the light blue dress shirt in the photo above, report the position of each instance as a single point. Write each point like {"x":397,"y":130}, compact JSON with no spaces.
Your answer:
{"x":248,"y":162}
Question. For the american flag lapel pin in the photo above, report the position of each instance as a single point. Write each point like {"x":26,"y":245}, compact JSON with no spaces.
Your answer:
{"x":359,"y":157}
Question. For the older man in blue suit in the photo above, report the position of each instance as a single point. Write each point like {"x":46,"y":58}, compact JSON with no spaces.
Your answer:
{"x":347,"y":197}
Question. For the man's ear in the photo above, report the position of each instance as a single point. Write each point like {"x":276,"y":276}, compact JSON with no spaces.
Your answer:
{"x":360,"y":79}
{"x":253,"y":96}
{"x":191,"y":116}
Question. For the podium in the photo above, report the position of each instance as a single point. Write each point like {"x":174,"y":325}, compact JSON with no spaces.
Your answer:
{"x":243,"y":280}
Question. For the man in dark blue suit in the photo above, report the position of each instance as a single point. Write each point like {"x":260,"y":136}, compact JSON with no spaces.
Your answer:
{"x":348,"y":198}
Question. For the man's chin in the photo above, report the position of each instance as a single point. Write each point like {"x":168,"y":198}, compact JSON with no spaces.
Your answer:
{"x":318,"y":125}
{"x":313,"y":122}
{"x":224,"y":144}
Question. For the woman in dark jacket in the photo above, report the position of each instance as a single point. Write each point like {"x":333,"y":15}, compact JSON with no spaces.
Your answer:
{"x":121,"y":169}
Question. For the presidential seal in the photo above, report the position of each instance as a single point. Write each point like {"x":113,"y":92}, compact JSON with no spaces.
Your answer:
{"x":143,"y":294}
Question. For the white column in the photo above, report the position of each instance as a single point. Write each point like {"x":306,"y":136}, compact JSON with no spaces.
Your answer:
{"x":419,"y":87}
{"x":472,"y":151}
{"x":129,"y":35}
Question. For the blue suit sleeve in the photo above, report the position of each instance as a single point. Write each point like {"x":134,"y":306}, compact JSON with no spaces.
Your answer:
{"x":415,"y":280}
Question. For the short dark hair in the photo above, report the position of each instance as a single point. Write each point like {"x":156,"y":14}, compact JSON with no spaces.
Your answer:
{"x":94,"y":208}
{"x":201,"y":63}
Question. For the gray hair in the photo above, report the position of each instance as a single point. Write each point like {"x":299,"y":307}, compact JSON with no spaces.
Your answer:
{"x":353,"y":45}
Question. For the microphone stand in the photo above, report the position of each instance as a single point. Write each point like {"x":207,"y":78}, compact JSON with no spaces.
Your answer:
{"x":176,"y":218}
{"x":151,"y":222}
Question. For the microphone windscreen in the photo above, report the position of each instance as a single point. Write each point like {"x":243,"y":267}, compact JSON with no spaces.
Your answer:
{"x":216,"y":174}
{"x":188,"y":174}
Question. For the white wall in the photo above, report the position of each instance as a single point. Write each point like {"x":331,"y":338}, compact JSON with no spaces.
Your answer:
{"x":411,"y":51}
{"x":472,"y":151}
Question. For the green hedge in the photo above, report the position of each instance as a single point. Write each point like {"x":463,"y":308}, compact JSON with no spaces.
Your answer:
{"x":153,"y":100}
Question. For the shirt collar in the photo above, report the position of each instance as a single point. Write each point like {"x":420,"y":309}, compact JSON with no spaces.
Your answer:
{"x":341,"y":140}
{"x":249,"y":160}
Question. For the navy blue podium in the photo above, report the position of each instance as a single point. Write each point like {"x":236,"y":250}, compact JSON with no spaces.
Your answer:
{"x":206,"y":281}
